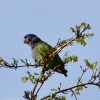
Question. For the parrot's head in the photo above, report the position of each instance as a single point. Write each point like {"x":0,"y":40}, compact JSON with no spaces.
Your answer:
{"x":31,"y":40}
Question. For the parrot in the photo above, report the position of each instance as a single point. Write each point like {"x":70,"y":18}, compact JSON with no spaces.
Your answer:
{"x":41,"y":51}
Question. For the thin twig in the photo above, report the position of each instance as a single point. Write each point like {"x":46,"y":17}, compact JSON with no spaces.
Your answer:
{"x":35,"y":86}
{"x":83,"y":30}
{"x":94,"y":76}
{"x":15,"y":67}
{"x":74,"y":94}
{"x":79,"y":80}
{"x":70,"y":89}
{"x":43,"y":82}
{"x":39,"y":88}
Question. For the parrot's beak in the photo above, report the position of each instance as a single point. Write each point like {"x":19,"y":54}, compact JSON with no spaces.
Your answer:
{"x":26,"y":40}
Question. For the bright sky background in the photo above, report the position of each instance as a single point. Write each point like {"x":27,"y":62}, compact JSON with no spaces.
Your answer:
{"x":50,"y":20}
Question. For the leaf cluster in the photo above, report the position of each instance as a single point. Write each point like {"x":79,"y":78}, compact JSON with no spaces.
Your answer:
{"x":71,"y":59}
{"x":92,"y":66}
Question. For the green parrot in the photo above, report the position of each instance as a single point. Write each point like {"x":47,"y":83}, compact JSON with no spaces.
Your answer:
{"x":40,"y":53}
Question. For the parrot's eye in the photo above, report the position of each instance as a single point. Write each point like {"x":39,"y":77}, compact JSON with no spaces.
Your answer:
{"x":29,"y":40}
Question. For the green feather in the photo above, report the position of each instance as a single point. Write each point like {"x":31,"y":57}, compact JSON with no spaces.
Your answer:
{"x":41,"y":51}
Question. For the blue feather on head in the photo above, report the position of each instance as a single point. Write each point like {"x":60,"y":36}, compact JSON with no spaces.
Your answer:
{"x":31,"y":39}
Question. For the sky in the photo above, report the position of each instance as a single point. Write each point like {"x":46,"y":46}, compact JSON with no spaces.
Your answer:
{"x":50,"y":20}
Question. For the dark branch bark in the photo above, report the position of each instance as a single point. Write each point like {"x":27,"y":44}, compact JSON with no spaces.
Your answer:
{"x":71,"y":88}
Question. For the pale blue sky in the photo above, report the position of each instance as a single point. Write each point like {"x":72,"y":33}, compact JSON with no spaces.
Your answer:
{"x":50,"y":20}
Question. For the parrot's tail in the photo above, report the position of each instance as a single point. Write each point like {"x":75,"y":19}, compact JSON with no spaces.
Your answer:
{"x":61,"y":70}
{"x":65,"y":72}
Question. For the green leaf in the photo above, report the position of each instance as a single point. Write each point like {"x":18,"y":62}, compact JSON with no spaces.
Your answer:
{"x":40,"y":76}
{"x":87,"y":63}
{"x":60,"y":98}
{"x":83,"y":23}
{"x":88,"y":26}
{"x":81,"y":40}
{"x":51,"y":97}
{"x":72,"y":29}
{"x":31,"y":77}
{"x":27,"y":64}
{"x":24,"y":79}
{"x":78,"y":89}
{"x":54,"y":89}
{"x":71,"y":59}
{"x":92,"y":66}
{"x":1,"y":61}
{"x":87,"y":35}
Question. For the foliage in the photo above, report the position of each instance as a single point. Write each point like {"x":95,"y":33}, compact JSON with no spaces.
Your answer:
{"x":91,"y":65}
{"x":40,"y":78}
{"x":71,"y":59}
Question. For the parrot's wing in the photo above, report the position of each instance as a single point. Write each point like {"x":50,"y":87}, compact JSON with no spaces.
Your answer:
{"x":41,"y":54}
{"x":40,"y":51}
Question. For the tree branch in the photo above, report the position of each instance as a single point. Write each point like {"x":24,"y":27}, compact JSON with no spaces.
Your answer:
{"x":71,"y":88}
{"x":64,"y":45}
